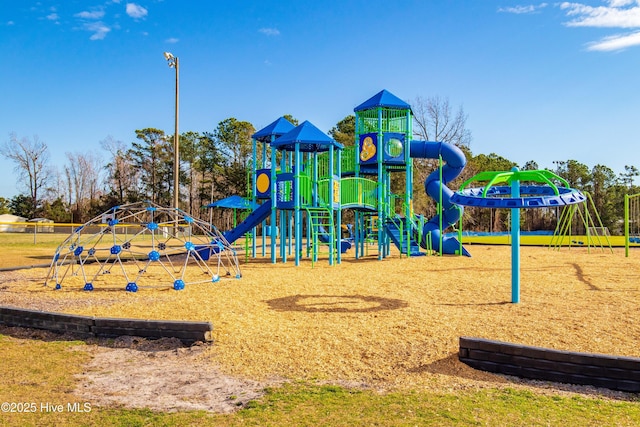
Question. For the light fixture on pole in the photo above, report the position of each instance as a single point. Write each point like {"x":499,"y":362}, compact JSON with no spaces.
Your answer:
{"x":173,"y":63}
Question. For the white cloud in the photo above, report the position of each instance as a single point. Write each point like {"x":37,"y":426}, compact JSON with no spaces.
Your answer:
{"x":136,"y":11}
{"x":603,"y":16}
{"x":617,"y":42}
{"x":613,"y":14}
{"x":519,"y":10}
{"x":269,"y":31}
{"x":53,"y":16}
{"x":98,"y":28}
{"x":620,"y":3}
{"x":172,"y":40}
{"x":96,"y":14}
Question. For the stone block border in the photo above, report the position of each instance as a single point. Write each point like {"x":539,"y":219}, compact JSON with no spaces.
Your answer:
{"x":87,"y":326}
{"x":612,"y":372}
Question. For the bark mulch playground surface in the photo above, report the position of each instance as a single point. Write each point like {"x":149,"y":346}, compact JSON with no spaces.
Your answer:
{"x":386,"y":325}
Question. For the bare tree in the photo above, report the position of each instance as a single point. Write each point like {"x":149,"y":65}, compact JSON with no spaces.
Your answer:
{"x":57,"y":187}
{"x":82,"y":173}
{"x":435,"y":121}
{"x":31,"y":158}
{"x":122,"y":177}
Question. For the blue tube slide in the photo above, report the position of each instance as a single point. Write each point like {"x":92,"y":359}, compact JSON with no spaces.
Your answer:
{"x":454,"y":163}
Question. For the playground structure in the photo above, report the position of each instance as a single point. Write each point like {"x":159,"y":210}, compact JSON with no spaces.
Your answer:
{"x":303,"y":180}
{"x":516,"y":197}
{"x":585,"y":214}
{"x":143,"y":244}
{"x":631,"y":221}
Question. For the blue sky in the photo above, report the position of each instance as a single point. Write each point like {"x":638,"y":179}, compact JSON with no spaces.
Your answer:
{"x":539,"y":81}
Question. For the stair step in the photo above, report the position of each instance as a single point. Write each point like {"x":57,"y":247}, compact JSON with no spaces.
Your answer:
{"x":394,"y":233}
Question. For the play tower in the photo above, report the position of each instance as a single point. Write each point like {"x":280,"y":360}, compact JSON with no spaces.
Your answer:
{"x":295,"y":179}
{"x":383,"y":129}
{"x":303,"y":181}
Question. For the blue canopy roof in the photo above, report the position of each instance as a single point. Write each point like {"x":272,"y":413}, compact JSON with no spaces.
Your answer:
{"x":277,"y":129}
{"x":234,"y":202}
{"x":383,"y":98}
{"x":308,"y":138}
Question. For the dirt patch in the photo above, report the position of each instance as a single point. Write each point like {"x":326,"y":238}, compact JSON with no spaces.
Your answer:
{"x":161,"y":375}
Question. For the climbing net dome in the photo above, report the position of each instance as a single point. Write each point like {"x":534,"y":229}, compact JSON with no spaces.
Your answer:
{"x":143,"y":245}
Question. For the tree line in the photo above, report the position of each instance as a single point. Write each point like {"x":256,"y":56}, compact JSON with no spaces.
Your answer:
{"x":216,"y":164}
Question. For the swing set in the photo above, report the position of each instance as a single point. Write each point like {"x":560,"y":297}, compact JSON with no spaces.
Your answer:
{"x":586,"y":214}
{"x":631,"y":221}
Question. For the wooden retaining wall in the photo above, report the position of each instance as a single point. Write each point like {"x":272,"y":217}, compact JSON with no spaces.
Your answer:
{"x":613,"y":372}
{"x":86,"y":326}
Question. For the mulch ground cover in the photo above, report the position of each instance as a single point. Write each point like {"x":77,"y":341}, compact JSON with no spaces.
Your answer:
{"x":385,"y":324}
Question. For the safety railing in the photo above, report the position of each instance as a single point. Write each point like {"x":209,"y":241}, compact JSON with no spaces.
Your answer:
{"x":389,"y":120}
{"x":347,"y":162}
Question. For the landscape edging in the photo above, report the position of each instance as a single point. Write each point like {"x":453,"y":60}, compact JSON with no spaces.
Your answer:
{"x":89,"y":326}
{"x":600,"y":370}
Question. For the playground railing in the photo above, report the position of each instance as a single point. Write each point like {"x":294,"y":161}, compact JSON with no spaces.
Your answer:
{"x":355,"y":192}
{"x":359,"y":192}
{"x":347,"y":162}
{"x":306,"y":190}
{"x":400,"y":224}
{"x":385,"y":119}
{"x":414,"y":223}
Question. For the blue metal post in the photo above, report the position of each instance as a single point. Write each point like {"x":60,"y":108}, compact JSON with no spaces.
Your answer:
{"x":283,"y":216}
{"x":297,"y":220}
{"x":359,"y":220}
{"x":290,"y":213}
{"x":332,"y":244}
{"x":274,"y":204}
{"x":440,"y":207}
{"x":515,"y":243}
{"x":339,"y":213}
{"x":381,"y":185}
{"x":254,"y":164}
{"x":264,"y":223}
{"x":387,"y":205}
{"x":315,"y":203}
{"x":408,"y":194}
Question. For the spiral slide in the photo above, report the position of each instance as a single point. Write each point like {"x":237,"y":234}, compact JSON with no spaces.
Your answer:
{"x":454,"y":163}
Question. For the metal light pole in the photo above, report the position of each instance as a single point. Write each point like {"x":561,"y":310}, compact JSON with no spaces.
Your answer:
{"x":173,"y":63}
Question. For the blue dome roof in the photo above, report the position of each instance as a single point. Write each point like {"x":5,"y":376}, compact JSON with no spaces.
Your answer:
{"x":383,"y":98}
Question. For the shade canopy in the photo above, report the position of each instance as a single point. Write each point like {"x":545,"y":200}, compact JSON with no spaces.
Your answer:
{"x":384,"y":98}
{"x":275,"y":129}
{"x":307,"y":137}
{"x":233,"y":202}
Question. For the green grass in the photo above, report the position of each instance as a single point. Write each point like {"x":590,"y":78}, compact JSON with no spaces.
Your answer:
{"x":41,"y":372}
{"x":25,"y":249}
{"x":301,"y":404}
